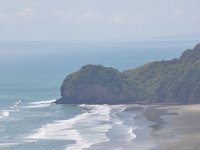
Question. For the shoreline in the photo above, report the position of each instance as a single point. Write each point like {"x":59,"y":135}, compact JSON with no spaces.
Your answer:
{"x":176,"y":127}
{"x":164,"y":127}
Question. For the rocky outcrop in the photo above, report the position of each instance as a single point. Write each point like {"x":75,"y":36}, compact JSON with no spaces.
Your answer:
{"x":95,"y":84}
{"x":174,"y":81}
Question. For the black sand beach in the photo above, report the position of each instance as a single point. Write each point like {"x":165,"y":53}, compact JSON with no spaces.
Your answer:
{"x":175,"y":128}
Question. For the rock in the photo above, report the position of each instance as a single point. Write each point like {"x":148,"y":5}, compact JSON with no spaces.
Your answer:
{"x":175,"y":81}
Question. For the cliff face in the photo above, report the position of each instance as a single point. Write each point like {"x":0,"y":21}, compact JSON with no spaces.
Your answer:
{"x":95,"y":84}
{"x":191,"y":54}
{"x":174,"y":81}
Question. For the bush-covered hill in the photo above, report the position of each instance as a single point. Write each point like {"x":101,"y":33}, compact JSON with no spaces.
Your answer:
{"x":174,"y":81}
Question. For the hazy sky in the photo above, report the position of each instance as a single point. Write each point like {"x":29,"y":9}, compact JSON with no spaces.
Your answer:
{"x":97,"y":19}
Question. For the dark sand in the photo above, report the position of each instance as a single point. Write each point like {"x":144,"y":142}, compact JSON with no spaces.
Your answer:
{"x":173,"y":128}
{"x":163,"y":128}
{"x":176,"y":127}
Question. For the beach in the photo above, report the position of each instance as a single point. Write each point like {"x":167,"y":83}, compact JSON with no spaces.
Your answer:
{"x":175,"y":128}
{"x":161,"y":127}
{"x":97,"y":127}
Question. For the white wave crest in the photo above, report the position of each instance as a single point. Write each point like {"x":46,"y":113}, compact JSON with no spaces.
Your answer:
{"x":16,"y":104}
{"x":4,"y":113}
{"x":43,"y":102}
{"x":86,"y":129}
{"x":6,"y":145}
{"x":121,"y":125}
{"x":131,"y":135}
{"x":40,"y":104}
{"x":118,"y":108}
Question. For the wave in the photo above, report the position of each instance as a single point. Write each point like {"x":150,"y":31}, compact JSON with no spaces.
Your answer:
{"x":85,"y":129}
{"x":118,"y":109}
{"x":131,"y":135}
{"x":16,"y":104}
{"x":56,"y":129}
{"x":43,"y":102}
{"x":96,"y":125}
{"x":123,"y":126}
{"x":94,"y":128}
{"x":40,"y":104}
{"x":4,"y":113}
{"x":5,"y":145}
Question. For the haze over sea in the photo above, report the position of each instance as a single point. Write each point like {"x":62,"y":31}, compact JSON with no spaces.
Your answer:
{"x":30,"y":78}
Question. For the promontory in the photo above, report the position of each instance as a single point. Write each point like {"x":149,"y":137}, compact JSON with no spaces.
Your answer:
{"x":174,"y":81}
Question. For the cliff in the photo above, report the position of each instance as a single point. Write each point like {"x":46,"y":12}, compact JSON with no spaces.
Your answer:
{"x":175,"y":81}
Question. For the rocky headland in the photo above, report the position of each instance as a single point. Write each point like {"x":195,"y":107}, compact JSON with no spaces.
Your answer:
{"x":174,"y":81}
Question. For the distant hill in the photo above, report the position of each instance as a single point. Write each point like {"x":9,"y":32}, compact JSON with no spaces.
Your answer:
{"x":175,"y":81}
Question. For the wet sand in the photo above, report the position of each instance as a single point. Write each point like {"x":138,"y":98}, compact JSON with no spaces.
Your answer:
{"x":176,"y":127}
{"x":162,"y":127}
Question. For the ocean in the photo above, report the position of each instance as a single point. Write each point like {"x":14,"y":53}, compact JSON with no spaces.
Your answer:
{"x":30,"y":77}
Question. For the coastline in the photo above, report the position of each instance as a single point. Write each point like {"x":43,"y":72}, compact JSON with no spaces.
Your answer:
{"x":161,"y":127}
{"x":176,"y":127}
{"x":155,"y":127}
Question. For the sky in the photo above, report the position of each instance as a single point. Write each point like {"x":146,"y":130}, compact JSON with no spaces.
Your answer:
{"x":103,"y":20}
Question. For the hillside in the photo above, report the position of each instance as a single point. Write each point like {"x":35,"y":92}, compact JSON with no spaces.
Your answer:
{"x":174,"y":81}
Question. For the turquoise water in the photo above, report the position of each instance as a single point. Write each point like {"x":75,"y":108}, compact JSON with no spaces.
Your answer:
{"x":30,"y":77}
{"x":35,"y":70}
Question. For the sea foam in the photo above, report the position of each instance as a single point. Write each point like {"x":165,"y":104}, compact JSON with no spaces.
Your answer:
{"x":4,"y":113}
{"x":131,"y":135}
{"x":85,"y":129}
{"x":88,"y":128}
{"x":6,"y":145}
{"x":121,"y":125}
{"x":40,"y":104}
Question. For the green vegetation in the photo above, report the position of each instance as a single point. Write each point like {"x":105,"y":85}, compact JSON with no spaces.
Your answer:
{"x":174,"y":81}
{"x":95,"y":84}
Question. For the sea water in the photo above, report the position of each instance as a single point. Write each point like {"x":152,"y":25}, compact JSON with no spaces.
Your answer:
{"x":30,"y":77}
